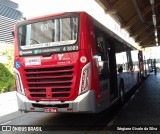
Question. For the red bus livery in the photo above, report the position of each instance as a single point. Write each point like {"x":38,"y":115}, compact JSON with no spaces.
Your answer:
{"x":67,"y":63}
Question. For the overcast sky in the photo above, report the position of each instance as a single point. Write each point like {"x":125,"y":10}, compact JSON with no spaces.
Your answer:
{"x":32,"y":8}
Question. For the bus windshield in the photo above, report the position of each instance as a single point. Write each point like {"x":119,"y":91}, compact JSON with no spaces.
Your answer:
{"x":48,"y":33}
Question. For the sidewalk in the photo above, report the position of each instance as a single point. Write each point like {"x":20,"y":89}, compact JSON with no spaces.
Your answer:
{"x":8,"y":103}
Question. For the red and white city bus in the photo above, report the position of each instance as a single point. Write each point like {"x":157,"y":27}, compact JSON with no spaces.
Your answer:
{"x":67,"y":63}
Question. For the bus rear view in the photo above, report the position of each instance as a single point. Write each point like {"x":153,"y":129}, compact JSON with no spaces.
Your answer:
{"x":52,"y":69}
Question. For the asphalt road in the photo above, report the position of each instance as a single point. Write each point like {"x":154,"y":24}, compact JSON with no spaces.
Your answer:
{"x":62,"y":123}
{"x":143,"y":110}
{"x":142,"y":107}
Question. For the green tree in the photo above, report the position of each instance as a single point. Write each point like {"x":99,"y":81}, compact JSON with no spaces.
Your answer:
{"x":6,"y":71}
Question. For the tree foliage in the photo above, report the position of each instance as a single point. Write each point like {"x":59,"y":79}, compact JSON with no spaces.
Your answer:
{"x":6,"y":71}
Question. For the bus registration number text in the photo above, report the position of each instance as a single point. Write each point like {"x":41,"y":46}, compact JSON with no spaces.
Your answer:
{"x":50,"y":110}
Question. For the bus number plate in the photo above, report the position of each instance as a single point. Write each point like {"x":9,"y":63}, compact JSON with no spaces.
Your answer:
{"x":50,"y":110}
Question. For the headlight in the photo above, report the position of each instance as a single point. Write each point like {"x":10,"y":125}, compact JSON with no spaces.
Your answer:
{"x":85,"y":79}
{"x":18,"y":82}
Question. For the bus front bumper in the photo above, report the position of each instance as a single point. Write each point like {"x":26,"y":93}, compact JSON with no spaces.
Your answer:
{"x":83,"y":103}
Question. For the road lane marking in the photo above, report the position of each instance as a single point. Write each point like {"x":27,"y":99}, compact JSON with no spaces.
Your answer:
{"x":5,"y":123}
{"x":132,"y":97}
{"x":11,"y":119}
{"x":137,"y":91}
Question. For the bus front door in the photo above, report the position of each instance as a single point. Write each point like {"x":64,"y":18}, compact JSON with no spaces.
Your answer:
{"x":113,"y":73}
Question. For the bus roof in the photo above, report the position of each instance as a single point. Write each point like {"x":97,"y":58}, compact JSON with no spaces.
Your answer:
{"x":49,"y":16}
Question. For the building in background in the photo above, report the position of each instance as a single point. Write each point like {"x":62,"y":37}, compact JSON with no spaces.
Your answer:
{"x":9,"y":15}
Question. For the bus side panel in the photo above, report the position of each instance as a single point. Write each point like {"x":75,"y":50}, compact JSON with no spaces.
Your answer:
{"x":130,"y":79}
{"x":100,"y":86}
{"x":95,"y":83}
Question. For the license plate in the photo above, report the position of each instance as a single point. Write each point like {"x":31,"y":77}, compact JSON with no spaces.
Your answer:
{"x":51,"y":110}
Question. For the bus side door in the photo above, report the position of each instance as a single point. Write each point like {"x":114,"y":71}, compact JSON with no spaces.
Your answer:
{"x":103,"y":65}
{"x":113,"y":72}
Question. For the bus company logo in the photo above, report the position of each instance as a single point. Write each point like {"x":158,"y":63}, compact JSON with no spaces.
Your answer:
{"x":32,"y":61}
{"x":6,"y":128}
{"x":25,"y":52}
{"x":60,"y":56}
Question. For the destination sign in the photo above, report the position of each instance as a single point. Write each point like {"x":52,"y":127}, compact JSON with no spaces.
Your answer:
{"x":53,"y":50}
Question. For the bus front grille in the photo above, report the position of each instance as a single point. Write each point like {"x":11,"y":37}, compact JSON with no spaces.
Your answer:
{"x":49,"y":83}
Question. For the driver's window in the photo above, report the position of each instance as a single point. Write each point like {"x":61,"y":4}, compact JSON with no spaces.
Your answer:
{"x":22,"y":35}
